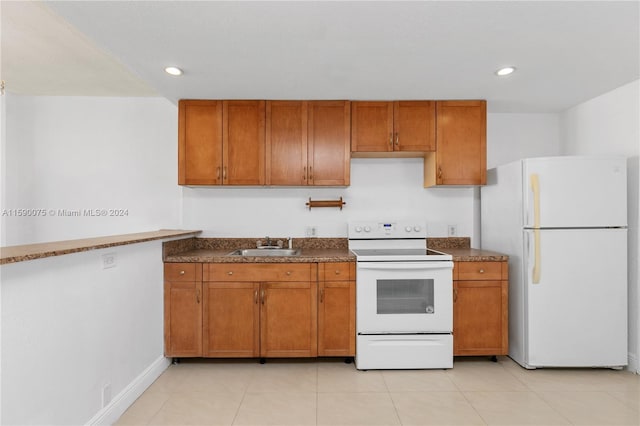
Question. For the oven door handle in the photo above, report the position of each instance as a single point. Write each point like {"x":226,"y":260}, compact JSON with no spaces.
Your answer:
{"x":380,"y":266}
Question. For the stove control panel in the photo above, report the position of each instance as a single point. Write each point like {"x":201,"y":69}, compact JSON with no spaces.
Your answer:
{"x":387,"y":229}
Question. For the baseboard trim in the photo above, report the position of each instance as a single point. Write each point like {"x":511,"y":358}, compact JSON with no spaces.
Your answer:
{"x":634,"y":365}
{"x":119,"y":404}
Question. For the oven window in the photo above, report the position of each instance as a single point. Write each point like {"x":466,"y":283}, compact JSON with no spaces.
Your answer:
{"x":405,"y":296}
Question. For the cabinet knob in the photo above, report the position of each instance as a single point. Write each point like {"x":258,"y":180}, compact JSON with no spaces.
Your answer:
{"x":288,"y":272}
{"x":481,"y":271}
{"x":337,"y":272}
{"x":181,"y":272}
{"x":230,"y":273}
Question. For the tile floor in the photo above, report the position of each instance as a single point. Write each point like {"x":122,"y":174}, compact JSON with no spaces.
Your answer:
{"x":329,"y":392}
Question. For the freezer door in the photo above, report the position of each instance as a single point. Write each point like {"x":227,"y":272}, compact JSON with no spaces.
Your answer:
{"x":572,"y":192}
{"x":575,"y":298}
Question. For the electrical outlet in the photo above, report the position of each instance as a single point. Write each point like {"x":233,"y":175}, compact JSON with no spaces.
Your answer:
{"x":452,"y":230}
{"x":109,"y":260}
{"x":311,"y":231}
{"x":106,"y":394}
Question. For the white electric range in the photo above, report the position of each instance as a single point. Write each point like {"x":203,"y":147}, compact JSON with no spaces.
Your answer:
{"x":404,"y":297}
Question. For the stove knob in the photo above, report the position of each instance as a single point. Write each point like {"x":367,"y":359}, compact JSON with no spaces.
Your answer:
{"x":407,"y":228}
{"x":358,"y":228}
{"x":417,"y":228}
{"x":367,"y":229}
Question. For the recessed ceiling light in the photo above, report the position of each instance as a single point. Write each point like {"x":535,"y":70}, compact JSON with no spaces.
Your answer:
{"x":173,"y":70}
{"x":505,"y":71}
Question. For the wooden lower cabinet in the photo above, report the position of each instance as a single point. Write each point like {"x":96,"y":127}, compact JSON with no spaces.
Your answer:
{"x":230,"y":310}
{"x":480,"y":308}
{"x":231,"y":320}
{"x":288,"y":326}
{"x":336,"y":309}
{"x":183,"y":309}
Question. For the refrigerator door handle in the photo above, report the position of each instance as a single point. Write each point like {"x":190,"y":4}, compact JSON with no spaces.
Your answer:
{"x":535,"y":187}
{"x":535,"y":278}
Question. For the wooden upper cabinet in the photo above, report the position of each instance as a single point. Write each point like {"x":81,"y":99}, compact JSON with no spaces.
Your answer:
{"x":461,"y":145}
{"x":244,"y":142}
{"x":371,"y":126}
{"x":329,"y":137}
{"x":199,"y":142}
{"x":414,"y":125}
{"x":221,"y":142}
{"x":286,"y":142}
{"x":307,"y":143}
{"x":400,"y":126}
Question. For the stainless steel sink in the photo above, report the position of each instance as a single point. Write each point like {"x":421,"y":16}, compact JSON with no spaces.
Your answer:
{"x":265,"y":252}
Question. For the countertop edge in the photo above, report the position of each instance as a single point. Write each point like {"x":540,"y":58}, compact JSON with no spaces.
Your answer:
{"x":25,"y":252}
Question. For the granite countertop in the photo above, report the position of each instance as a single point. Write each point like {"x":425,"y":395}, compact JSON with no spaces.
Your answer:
{"x":216,"y":250}
{"x":222,"y":256}
{"x":21,"y":253}
{"x":475,"y":255}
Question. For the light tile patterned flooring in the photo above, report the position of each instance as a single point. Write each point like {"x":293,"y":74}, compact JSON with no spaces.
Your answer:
{"x":329,"y":392}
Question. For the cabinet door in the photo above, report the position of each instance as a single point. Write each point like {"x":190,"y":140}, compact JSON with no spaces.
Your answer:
{"x":414,"y":126}
{"x":287,"y":143}
{"x":231,"y":319}
{"x":480,"y":318}
{"x":199,"y":142}
{"x":461,"y":147}
{"x":183,"y":318}
{"x":288,"y":319}
{"x":337,"y":318}
{"x":329,"y":149}
{"x":243,"y":147}
{"x":371,"y":126}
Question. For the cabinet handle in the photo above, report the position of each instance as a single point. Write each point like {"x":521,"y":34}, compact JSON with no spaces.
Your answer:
{"x":224,"y":172}
{"x":255,"y":297}
{"x":321,"y":295}
{"x":439,"y":172}
{"x":288,"y":272}
{"x":391,"y":140}
{"x":262,"y":296}
{"x":397,"y":139}
{"x":181,"y":272}
{"x":455,"y":294}
{"x":218,"y":172}
{"x":481,"y":271}
{"x":304,"y":173}
{"x":198,"y":296}
{"x":337,"y":272}
{"x":230,"y":273}
{"x":310,"y":172}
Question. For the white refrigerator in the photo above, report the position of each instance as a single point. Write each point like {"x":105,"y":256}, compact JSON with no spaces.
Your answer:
{"x":563,"y":223}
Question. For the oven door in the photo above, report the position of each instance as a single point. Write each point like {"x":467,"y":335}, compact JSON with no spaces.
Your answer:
{"x":404,"y":297}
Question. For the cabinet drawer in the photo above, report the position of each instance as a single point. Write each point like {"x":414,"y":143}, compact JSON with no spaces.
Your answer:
{"x":182,"y":271}
{"x":479,"y":270}
{"x":340,"y":271}
{"x":258,"y":272}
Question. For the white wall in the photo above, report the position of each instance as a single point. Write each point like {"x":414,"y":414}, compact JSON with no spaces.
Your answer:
{"x":610,"y":124}
{"x":70,"y":153}
{"x":70,"y":327}
{"x":512,"y":137}
{"x":390,"y":187}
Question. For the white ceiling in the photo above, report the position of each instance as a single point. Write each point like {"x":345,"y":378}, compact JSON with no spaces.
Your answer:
{"x":565,"y":52}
